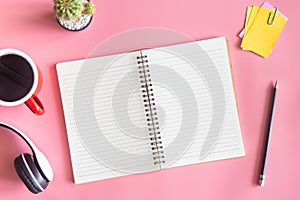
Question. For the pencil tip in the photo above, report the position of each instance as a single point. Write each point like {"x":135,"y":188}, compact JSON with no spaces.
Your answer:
{"x":276,"y":84}
{"x":261,"y":180}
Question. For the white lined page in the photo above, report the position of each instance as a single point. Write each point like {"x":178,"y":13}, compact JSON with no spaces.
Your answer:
{"x":104,"y":117}
{"x":186,"y":80}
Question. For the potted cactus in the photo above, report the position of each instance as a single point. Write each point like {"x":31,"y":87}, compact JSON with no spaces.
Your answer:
{"x":74,"y":15}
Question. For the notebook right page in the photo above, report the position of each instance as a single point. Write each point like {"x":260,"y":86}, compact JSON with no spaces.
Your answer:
{"x":195,"y":102}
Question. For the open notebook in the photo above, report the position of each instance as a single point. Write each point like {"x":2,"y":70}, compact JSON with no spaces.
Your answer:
{"x":150,"y":109}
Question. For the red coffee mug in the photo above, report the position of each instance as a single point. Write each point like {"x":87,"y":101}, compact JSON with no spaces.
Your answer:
{"x":12,"y":74}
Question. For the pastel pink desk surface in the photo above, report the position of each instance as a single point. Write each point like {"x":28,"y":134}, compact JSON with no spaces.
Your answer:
{"x":30,"y":26}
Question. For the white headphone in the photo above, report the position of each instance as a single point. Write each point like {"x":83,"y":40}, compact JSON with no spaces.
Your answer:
{"x":34,"y":170}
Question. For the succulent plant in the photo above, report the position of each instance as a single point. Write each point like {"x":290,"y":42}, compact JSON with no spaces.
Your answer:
{"x":72,"y":9}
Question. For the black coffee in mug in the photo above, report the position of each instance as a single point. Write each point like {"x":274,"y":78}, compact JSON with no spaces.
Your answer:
{"x":19,"y":81}
{"x":16,"y":77}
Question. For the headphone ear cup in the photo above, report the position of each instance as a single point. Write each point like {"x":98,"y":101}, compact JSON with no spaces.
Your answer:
{"x":29,"y":173}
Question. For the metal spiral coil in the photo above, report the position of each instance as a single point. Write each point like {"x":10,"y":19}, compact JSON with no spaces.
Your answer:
{"x":150,"y":110}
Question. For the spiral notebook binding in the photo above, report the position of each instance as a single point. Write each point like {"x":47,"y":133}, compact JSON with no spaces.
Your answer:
{"x":150,"y":110}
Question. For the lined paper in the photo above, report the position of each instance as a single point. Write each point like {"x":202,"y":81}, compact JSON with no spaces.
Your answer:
{"x":106,"y":121}
{"x":184,"y":79}
{"x":105,"y":118}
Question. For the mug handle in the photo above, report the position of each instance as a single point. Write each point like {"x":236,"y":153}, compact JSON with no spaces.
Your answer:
{"x":35,"y":105}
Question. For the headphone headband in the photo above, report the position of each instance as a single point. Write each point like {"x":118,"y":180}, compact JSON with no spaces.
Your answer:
{"x":38,"y":156}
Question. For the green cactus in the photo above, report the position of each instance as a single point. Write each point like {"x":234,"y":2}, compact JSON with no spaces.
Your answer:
{"x":72,"y":9}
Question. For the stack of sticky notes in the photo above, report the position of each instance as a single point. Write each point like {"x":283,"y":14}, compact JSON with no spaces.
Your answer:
{"x":262,"y":27}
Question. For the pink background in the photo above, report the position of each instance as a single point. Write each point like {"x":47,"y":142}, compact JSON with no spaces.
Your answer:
{"x":29,"y":26}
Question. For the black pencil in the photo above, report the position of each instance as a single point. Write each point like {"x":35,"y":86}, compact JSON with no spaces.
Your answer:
{"x":262,"y":176}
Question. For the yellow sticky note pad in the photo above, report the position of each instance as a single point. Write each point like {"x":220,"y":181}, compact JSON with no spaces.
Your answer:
{"x":260,"y":37}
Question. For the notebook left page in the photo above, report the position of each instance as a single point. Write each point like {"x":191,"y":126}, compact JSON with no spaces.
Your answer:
{"x":104,"y":117}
